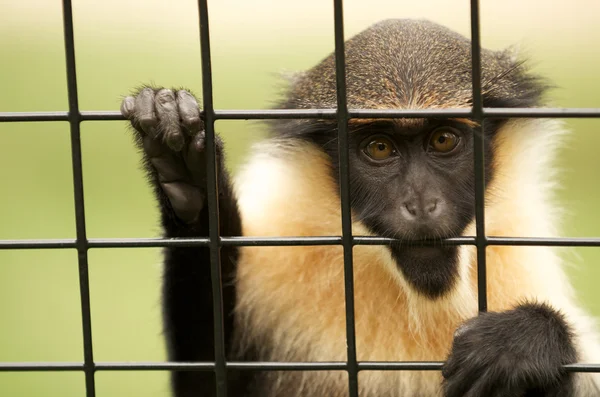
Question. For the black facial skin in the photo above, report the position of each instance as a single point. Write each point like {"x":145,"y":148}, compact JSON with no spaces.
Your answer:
{"x":415,"y":194}
{"x":391,"y":196}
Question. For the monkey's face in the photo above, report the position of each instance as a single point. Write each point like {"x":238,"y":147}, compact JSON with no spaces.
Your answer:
{"x":414,"y":180}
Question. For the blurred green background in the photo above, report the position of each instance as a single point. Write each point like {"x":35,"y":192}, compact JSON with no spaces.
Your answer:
{"x":121,"y":44}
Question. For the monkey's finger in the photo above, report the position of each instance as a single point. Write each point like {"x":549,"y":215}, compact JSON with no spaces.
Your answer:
{"x":455,"y":387}
{"x":489,"y":383}
{"x":189,"y":112}
{"x":144,"y":113}
{"x":462,"y":347}
{"x":195,"y":159}
{"x":127,"y":107}
{"x":168,"y":115}
{"x":481,"y":388}
{"x":448,"y":369}
{"x":452,"y":365}
{"x":199,"y":142}
{"x":461,"y":381}
{"x":128,"y":111}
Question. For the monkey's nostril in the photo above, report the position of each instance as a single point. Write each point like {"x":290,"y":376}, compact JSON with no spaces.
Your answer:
{"x":431,"y":207}
{"x":411,"y":208}
{"x":435,"y":208}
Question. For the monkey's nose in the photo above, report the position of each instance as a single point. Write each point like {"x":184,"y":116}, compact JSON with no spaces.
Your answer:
{"x":415,"y":210}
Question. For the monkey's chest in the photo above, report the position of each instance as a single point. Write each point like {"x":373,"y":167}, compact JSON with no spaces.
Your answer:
{"x":291,"y":307}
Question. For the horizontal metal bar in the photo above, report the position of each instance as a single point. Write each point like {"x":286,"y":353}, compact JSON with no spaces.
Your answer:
{"x":40,"y":367}
{"x":170,"y":242}
{"x":248,"y":366}
{"x":158,"y":366}
{"x":324,"y":114}
{"x":400,"y":365}
{"x":545,"y":241}
{"x":371,"y":240}
{"x":166,"y":366}
{"x":38,"y":244}
{"x":275,"y":114}
{"x":582,"y":367}
{"x":437,"y":366}
{"x":541,"y":112}
{"x":33,"y":116}
{"x":331,"y":113}
{"x":94,"y":115}
{"x":292,"y":241}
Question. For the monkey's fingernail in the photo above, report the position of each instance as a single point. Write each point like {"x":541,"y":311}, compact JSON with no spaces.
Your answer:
{"x":192,"y":124}
{"x":175,"y":140}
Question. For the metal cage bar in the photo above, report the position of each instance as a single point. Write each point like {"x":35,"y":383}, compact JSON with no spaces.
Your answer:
{"x":213,"y":203}
{"x":250,"y":366}
{"x":291,"y":241}
{"x":81,"y":242}
{"x":479,"y":160}
{"x":173,"y":242}
{"x":342,"y":114}
{"x":344,"y":177}
{"x":573,"y":113}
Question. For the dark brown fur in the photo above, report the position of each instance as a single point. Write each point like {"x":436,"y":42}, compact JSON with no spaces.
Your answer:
{"x":404,"y":64}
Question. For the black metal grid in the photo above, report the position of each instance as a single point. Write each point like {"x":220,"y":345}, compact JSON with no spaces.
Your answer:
{"x":75,"y":116}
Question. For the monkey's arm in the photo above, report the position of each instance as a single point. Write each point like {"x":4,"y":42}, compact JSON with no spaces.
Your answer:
{"x":170,"y":132}
{"x":514,"y":353}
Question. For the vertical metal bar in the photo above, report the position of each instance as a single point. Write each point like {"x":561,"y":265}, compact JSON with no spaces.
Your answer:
{"x":82,"y":247}
{"x":342,"y":122}
{"x":479,"y":161}
{"x":213,"y":203}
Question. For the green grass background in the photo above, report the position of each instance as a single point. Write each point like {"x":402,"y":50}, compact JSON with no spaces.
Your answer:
{"x":122,"y":44}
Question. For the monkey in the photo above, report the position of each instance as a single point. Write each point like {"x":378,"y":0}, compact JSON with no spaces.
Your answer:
{"x":410,"y":179}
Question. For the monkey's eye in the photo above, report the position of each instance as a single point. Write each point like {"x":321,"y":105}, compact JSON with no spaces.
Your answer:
{"x":443,"y":140}
{"x":379,"y":148}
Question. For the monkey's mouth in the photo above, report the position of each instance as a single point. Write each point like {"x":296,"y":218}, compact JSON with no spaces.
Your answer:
{"x":423,"y":241}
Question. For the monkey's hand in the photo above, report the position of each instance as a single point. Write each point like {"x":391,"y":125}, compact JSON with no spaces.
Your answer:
{"x":517,"y":353}
{"x":169,"y":129}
